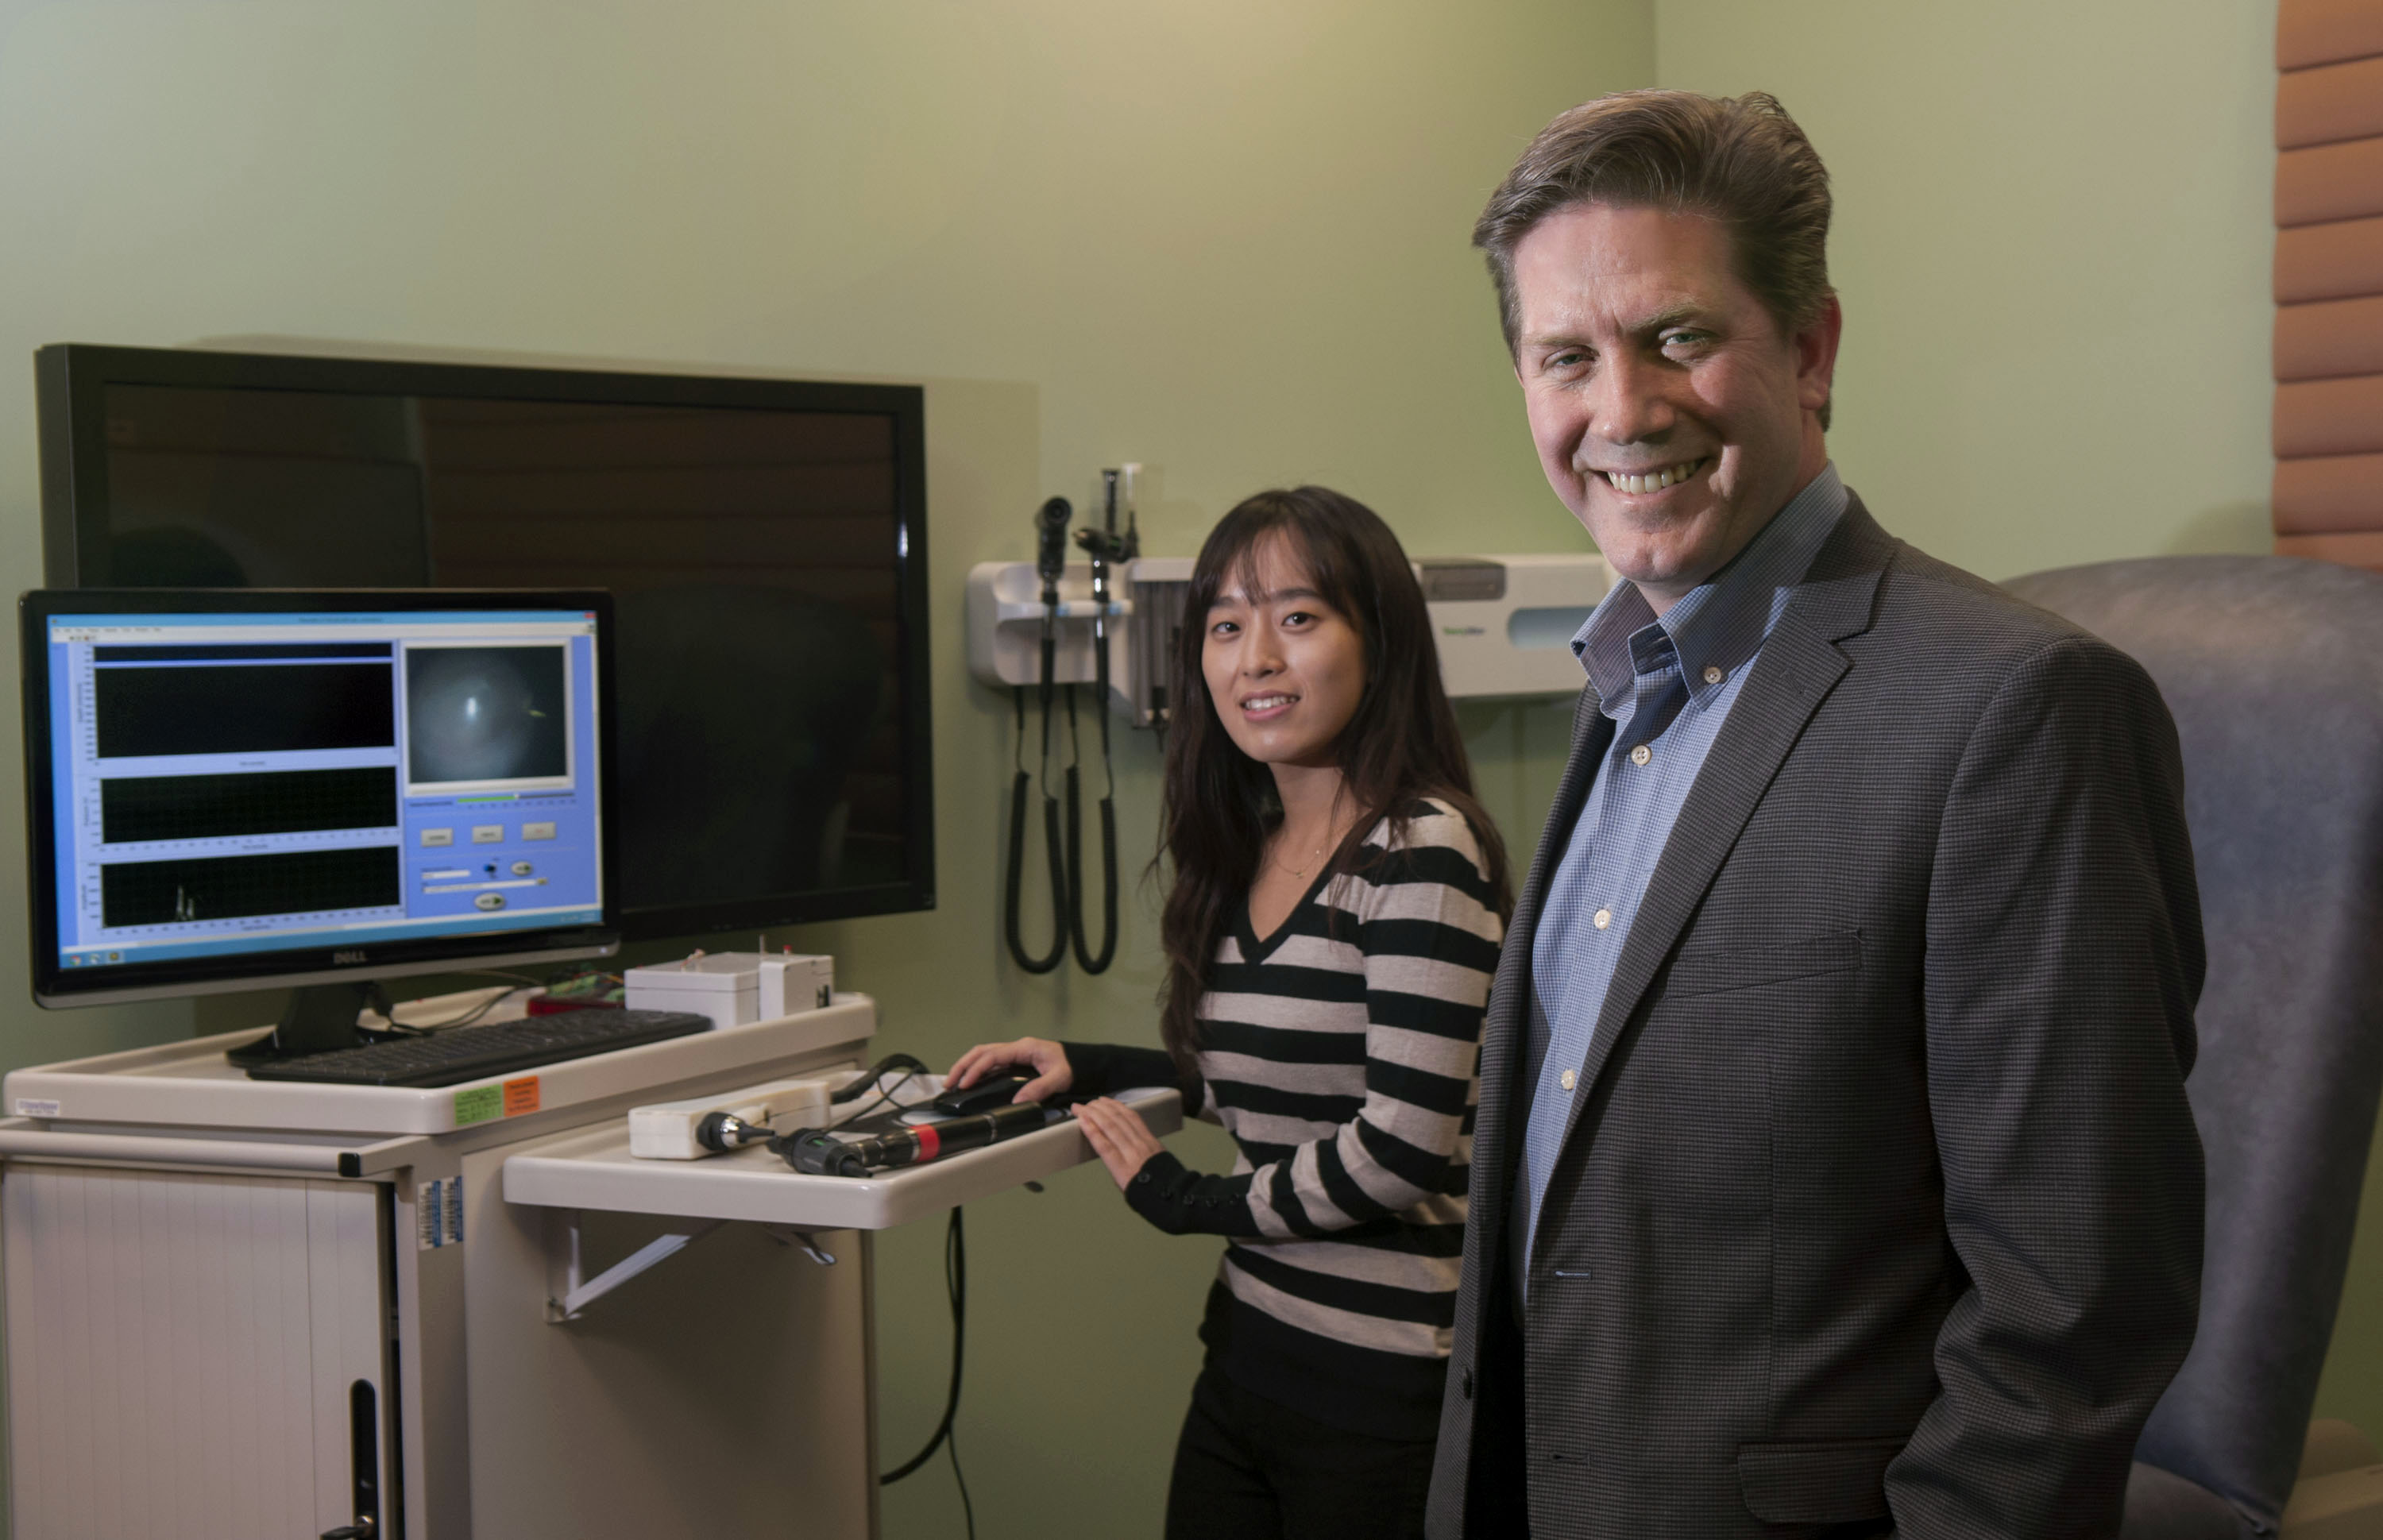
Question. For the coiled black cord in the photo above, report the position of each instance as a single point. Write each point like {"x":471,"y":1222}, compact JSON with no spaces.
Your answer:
{"x":1086,"y":958}
{"x":1054,"y":855}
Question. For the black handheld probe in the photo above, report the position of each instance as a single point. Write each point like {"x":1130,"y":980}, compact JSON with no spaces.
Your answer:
{"x":817,"y":1153}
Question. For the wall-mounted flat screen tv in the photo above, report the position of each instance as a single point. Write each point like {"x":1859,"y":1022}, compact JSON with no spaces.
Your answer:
{"x":764,"y":541}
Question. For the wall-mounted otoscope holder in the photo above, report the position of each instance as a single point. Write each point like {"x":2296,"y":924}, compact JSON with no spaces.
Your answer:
{"x":1503,"y":625}
{"x":1004,"y":627}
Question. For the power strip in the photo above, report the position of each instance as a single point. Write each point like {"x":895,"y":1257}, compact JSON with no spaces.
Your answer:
{"x":665,"y":1132}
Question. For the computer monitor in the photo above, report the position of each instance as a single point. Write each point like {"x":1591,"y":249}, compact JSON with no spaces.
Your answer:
{"x":244,"y":788}
{"x":764,"y":540}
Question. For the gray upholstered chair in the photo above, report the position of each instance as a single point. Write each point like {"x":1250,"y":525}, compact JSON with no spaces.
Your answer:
{"x":2273,"y":669}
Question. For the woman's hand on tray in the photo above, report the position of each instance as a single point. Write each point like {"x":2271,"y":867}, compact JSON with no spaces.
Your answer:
{"x":1119,"y":1135}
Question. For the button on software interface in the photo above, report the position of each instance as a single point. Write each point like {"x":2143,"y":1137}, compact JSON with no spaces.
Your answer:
{"x":235,"y":784}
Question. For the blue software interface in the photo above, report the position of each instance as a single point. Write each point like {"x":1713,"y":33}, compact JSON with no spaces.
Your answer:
{"x":243,"y":782}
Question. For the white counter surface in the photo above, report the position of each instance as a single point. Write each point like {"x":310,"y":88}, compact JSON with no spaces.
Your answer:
{"x":191,"y":1085}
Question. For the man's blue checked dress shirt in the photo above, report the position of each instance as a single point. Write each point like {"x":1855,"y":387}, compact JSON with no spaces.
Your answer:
{"x":1668,"y":683}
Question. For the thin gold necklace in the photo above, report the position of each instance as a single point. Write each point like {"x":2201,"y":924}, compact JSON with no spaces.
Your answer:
{"x":1299,"y":872}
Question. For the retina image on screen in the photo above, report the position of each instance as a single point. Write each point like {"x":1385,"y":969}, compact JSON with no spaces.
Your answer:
{"x":477,"y":713}
{"x":235,"y":784}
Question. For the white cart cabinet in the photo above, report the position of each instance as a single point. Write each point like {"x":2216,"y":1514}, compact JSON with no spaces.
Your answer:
{"x":241,"y":1310}
{"x":202,"y":1270}
{"x":188,"y":1347}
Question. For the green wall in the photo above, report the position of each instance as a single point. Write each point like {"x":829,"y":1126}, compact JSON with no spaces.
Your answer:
{"x":1228,"y":240}
{"x":2053,"y":239}
{"x":1225,"y":240}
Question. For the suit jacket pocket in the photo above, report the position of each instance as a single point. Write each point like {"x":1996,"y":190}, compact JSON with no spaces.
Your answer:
{"x":1835,"y":1482}
{"x":1708,"y":969}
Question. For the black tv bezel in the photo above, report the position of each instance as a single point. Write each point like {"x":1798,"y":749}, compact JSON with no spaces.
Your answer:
{"x":70,"y":384}
{"x":54,"y":985}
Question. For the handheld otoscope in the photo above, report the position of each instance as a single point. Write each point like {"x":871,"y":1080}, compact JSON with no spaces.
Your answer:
{"x":1107,"y":550}
{"x":722,"y":1131}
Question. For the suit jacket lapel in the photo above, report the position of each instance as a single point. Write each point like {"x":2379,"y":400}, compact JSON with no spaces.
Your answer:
{"x":1795,"y":671}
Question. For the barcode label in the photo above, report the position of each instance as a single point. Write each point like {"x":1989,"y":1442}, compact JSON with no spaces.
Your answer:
{"x":438,"y":1214}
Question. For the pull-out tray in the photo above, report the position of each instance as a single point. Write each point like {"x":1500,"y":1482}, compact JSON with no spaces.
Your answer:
{"x":593,"y":1169}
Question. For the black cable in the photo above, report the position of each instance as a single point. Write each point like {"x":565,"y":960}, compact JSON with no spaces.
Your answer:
{"x":872,"y":1076}
{"x":1086,"y":958}
{"x":1107,"y":551}
{"x":956,"y":1285}
{"x":859,"y":1083}
{"x":507,"y":973}
{"x":423,"y":1028}
{"x":426,"y":1028}
{"x":884,"y":1094}
{"x":1053,"y":850}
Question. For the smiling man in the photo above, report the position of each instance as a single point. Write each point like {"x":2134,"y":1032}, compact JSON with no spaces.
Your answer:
{"x":1832,"y":1172}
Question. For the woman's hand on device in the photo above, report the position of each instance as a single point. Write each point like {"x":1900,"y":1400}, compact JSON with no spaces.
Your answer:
{"x":1042,"y":1059}
{"x":1119,"y":1136}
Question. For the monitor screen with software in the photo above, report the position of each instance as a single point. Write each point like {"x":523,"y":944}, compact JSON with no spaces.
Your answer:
{"x":245,"y":788}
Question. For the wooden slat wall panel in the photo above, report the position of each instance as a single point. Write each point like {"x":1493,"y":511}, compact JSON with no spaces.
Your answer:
{"x":2329,"y":281}
{"x":2328,"y":494}
{"x":2329,"y":416}
{"x":2329,"y":103}
{"x":2329,"y":261}
{"x":2339,"y":337}
{"x":2310,"y":32}
{"x":2329,"y":181}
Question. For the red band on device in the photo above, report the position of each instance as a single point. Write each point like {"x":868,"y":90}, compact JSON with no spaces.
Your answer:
{"x":930,"y":1143}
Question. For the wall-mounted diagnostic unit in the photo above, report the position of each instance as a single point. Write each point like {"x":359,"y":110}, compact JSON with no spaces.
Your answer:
{"x":1503,"y":625}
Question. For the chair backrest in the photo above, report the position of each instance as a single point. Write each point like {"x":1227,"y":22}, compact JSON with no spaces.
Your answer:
{"x":2273,"y":671}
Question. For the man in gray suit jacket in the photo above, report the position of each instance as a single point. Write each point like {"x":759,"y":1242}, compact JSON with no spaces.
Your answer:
{"x":1833,"y":1173}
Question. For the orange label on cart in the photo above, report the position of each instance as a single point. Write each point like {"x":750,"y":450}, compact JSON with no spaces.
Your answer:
{"x":521,"y":1096}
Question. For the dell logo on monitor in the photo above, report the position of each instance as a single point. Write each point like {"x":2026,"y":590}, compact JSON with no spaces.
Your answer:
{"x":347,"y":957}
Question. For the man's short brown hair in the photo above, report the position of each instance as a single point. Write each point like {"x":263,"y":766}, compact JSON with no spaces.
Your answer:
{"x":1740,"y":160}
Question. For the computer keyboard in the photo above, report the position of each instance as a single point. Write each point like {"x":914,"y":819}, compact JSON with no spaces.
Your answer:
{"x":460,"y":1054}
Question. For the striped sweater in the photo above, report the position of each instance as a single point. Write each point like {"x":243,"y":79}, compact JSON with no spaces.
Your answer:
{"x":1340,"y":1053}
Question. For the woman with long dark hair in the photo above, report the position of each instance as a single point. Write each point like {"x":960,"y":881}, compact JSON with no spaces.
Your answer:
{"x":1334,"y":904}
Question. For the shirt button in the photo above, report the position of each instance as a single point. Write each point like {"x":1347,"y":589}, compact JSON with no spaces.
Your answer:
{"x":1602,"y":918}
{"x":1713,"y":674}
{"x":1640,"y":754}
{"x":1566,"y":1079}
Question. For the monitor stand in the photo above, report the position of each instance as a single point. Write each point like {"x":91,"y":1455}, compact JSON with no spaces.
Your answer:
{"x":320,"y":1019}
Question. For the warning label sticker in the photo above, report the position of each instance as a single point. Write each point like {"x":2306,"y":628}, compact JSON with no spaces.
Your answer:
{"x":478,"y":1104}
{"x":521,"y":1096}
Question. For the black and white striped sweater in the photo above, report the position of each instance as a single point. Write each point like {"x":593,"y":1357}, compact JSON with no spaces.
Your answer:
{"x":1340,"y":1053}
